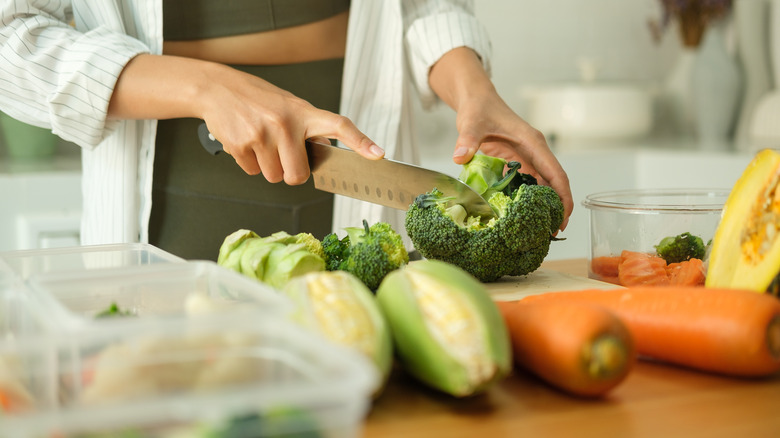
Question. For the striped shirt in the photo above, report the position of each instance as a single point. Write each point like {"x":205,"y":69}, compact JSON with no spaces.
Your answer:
{"x":60,"y":60}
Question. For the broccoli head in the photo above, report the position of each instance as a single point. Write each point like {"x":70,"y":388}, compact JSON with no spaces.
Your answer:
{"x":686,"y":246}
{"x":369,"y":253}
{"x":514,"y":243}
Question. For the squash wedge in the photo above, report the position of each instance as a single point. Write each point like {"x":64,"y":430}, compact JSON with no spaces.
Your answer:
{"x":746,"y":246}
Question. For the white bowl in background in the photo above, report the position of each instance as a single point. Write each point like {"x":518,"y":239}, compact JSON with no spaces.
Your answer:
{"x":590,"y":111}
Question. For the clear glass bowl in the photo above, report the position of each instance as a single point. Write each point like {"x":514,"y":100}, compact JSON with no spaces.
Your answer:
{"x":637,"y":220}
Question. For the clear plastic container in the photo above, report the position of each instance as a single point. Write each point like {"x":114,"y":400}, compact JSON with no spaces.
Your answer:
{"x":19,"y":316}
{"x":26,"y":263}
{"x":637,"y":220}
{"x":238,"y":375}
{"x":76,"y":299}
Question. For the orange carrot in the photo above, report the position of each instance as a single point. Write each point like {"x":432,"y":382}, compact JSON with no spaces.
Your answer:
{"x":580,"y":348}
{"x":5,"y":402}
{"x":686,"y":273}
{"x":14,"y":399}
{"x":640,"y":269}
{"x":606,"y":268}
{"x":727,"y":331}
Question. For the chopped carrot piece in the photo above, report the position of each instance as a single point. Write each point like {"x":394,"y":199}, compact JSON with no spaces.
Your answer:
{"x":606,"y":268}
{"x":687,"y":273}
{"x":637,"y":269}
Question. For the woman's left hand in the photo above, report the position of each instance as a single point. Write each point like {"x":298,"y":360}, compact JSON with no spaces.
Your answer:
{"x":489,"y":125}
{"x":486,"y":123}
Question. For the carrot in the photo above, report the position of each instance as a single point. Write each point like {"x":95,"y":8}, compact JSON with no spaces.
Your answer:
{"x":5,"y":402}
{"x":727,"y":331}
{"x":638,"y":269}
{"x":606,"y":268}
{"x":686,"y":273}
{"x":580,"y":348}
{"x":15,"y":399}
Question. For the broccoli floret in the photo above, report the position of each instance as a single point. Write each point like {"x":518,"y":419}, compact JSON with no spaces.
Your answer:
{"x":113,"y":311}
{"x":484,"y":174}
{"x":514,"y":243}
{"x":369,"y":253}
{"x":335,"y":251}
{"x":686,"y":246}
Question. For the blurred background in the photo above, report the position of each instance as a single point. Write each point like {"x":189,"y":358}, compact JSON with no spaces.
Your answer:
{"x":630,"y":94}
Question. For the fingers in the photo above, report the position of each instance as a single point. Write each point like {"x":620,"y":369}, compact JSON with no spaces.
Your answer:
{"x":341,"y":128}
{"x":547,"y":166}
{"x":276,"y":148}
{"x":528,"y":146}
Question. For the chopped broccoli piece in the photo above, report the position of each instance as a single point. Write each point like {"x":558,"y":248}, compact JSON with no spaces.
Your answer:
{"x":369,"y":253}
{"x":686,"y":246}
{"x":514,"y":243}
{"x":484,"y":174}
{"x":112,"y":311}
{"x":335,"y":250}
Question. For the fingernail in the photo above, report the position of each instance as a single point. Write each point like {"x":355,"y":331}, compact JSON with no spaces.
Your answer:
{"x":461,"y":151}
{"x":376,"y":151}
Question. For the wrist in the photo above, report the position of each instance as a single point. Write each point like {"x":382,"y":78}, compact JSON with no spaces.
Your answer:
{"x":459,"y":76}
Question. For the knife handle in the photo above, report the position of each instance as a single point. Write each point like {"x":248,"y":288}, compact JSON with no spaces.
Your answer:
{"x":207,"y":140}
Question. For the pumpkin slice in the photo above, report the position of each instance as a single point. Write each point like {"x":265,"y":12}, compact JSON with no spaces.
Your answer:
{"x":746,"y":247}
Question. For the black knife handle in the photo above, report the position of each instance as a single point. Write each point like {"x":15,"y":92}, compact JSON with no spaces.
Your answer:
{"x":207,"y":140}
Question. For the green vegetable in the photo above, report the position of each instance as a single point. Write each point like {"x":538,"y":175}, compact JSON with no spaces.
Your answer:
{"x":446,"y":329}
{"x":686,"y":246}
{"x":276,"y":423}
{"x":339,"y":306}
{"x":369,"y":253}
{"x":273,"y":259}
{"x":514,"y":243}
{"x":113,"y":311}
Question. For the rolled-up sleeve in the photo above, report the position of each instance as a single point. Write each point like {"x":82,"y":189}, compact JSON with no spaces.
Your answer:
{"x":57,"y":77}
{"x":434,"y":27}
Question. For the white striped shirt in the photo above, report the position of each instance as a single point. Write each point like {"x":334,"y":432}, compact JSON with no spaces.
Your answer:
{"x":61,"y":77}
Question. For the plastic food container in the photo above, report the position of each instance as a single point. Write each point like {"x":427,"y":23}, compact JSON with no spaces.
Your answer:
{"x":637,"y":220}
{"x":26,"y":263}
{"x":75,"y":299}
{"x":19,"y":316}
{"x":236,"y":375}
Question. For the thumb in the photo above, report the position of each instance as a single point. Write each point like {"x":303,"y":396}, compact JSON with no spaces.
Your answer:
{"x":466,"y":146}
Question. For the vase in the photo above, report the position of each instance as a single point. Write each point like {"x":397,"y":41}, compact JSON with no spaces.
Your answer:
{"x":676,"y":100}
{"x":716,"y":82}
{"x":751,"y":18}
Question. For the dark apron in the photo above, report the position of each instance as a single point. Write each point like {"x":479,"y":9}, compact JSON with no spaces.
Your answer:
{"x":198,"y":199}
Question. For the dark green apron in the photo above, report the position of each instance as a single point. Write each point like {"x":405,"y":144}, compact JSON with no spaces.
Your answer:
{"x":198,"y":199}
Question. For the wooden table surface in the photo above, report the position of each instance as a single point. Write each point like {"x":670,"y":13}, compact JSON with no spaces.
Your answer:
{"x":655,"y":400}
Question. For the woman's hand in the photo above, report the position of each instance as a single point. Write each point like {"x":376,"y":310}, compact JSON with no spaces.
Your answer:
{"x":485,"y":122}
{"x":262,"y":126}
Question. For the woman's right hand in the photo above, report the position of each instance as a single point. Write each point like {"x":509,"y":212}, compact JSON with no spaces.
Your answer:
{"x":262,"y":126}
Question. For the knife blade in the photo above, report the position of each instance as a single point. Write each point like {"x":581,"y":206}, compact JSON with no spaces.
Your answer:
{"x":385,"y":182}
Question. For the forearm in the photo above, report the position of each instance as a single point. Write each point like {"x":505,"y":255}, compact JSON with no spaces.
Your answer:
{"x":162,"y":87}
{"x":458,"y":75}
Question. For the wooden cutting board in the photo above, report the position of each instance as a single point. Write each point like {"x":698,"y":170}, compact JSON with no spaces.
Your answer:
{"x":539,"y":281}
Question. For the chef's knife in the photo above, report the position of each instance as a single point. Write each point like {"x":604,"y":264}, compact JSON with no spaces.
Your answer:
{"x":385,"y":182}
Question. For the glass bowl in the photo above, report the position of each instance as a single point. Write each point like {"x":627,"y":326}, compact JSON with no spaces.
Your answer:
{"x":637,"y":221}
